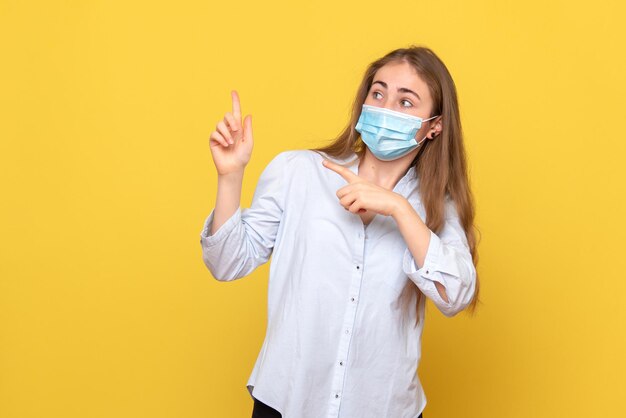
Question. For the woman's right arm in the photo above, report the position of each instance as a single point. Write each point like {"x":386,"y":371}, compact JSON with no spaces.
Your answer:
{"x":228,"y":198}
{"x":236,"y":241}
{"x":231,"y":148}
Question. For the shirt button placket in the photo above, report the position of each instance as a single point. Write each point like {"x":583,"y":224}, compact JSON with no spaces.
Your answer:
{"x":349,"y":320}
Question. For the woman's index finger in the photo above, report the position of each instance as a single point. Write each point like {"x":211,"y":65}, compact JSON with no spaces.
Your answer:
{"x":344,"y":172}
{"x":236,"y":105}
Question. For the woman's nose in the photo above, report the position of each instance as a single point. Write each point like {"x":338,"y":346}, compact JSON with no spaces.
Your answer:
{"x":389,"y":104}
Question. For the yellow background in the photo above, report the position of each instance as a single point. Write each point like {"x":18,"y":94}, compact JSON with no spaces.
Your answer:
{"x":106,"y":308}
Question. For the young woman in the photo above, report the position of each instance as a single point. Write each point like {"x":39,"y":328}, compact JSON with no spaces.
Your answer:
{"x":359,"y":231}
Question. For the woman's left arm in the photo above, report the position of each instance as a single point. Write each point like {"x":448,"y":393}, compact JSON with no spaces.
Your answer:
{"x":447,"y":274}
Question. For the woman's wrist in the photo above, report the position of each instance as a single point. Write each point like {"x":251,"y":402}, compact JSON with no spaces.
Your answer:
{"x":401,"y":207}
{"x":233,"y":177}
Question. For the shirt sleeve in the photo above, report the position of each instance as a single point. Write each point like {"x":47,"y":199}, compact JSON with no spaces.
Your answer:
{"x":448,"y":261}
{"x":246,"y":240}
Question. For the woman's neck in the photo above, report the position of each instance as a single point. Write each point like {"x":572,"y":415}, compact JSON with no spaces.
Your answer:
{"x":385,"y":174}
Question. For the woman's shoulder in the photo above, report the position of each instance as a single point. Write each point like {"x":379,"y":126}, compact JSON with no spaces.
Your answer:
{"x":288,"y":164}
{"x":300,"y":158}
{"x":294,"y":154}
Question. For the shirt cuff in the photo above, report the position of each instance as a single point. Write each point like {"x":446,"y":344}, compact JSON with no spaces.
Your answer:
{"x":208,"y":240}
{"x":431,"y":261}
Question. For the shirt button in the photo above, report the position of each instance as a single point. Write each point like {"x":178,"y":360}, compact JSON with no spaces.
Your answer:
{"x":336,"y":395}
{"x":341,"y":363}
{"x":426,"y":271}
{"x":352,"y":299}
{"x":347,"y":331}
{"x":358,"y":267}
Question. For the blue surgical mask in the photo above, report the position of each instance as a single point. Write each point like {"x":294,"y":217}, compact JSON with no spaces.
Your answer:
{"x":389,"y":134}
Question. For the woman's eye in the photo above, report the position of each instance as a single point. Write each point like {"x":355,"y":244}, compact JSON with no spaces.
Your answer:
{"x":402,"y":101}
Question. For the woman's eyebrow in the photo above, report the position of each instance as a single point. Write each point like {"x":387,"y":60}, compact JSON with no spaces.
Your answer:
{"x":400,"y":89}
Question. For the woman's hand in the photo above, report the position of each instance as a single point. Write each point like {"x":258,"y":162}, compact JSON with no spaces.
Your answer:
{"x":231,"y":144}
{"x":360,"y":195}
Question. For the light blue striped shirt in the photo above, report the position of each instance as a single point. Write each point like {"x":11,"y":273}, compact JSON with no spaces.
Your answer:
{"x":342,"y":335}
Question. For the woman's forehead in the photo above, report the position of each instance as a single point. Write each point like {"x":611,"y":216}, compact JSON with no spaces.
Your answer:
{"x":397,"y":75}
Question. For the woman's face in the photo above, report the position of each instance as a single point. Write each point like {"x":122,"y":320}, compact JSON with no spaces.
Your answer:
{"x":396,"y":86}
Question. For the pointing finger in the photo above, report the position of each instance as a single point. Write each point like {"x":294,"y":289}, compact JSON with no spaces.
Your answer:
{"x":232,"y":123}
{"x":344,"y":172}
{"x":236,"y":106}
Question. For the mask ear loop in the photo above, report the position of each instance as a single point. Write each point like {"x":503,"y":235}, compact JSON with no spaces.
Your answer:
{"x":423,"y":139}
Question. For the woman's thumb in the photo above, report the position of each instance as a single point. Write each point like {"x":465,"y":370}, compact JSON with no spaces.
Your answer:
{"x":247,"y":128}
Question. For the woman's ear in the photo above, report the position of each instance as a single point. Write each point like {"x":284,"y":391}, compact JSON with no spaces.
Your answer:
{"x":436,"y":129}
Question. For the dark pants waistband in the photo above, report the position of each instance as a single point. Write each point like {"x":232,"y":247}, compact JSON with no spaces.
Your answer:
{"x":261,"y":410}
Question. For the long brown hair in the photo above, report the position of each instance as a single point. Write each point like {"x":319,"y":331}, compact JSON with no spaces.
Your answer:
{"x":440,"y":164}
